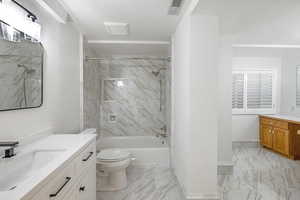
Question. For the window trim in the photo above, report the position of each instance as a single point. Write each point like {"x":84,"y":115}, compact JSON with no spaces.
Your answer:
{"x":245,"y":110}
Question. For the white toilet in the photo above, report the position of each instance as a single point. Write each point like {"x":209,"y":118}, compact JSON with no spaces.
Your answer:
{"x":112,"y":164}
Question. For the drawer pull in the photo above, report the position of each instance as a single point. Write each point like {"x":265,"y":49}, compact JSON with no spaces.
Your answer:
{"x":298,"y":132}
{"x":87,"y":158}
{"x":62,"y":187}
{"x":81,"y":189}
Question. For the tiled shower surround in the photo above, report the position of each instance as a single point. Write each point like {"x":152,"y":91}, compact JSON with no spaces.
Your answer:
{"x":122,"y":96}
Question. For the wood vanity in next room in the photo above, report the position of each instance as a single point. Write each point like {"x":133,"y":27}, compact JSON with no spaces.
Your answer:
{"x":281,"y":133}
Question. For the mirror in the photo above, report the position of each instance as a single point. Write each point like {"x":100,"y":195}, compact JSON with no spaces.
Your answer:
{"x":21,"y":70}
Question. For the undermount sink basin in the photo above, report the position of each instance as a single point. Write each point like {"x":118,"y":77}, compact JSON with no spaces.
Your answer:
{"x":21,"y":167}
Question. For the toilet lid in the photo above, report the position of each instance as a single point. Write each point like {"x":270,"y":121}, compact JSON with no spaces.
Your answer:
{"x":113,"y":154}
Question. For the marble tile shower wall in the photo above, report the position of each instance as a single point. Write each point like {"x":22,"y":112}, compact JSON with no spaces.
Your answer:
{"x":127,"y":96}
{"x":91,"y":95}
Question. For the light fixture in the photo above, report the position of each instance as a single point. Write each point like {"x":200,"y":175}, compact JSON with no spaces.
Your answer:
{"x":18,"y":17}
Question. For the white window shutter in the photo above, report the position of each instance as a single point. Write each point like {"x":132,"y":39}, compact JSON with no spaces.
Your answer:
{"x":259,"y":90}
{"x":238,"y":91}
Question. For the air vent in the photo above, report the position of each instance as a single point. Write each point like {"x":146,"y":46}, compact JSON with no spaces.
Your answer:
{"x":116,"y":28}
{"x":175,"y":7}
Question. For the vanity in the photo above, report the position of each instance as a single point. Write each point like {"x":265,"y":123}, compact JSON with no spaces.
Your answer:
{"x":281,"y":133}
{"x":56,"y":167}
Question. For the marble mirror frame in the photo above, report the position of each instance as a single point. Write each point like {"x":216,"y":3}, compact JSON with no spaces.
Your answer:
{"x":28,"y":38}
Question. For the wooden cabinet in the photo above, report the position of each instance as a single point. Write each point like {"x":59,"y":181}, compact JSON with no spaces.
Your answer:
{"x":267,"y":136}
{"x":281,"y":140}
{"x":281,"y":136}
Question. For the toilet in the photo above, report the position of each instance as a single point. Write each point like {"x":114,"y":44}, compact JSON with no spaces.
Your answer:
{"x":111,"y":165}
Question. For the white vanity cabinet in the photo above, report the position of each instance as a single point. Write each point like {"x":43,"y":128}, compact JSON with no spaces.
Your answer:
{"x":76,"y":181}
{"x":87,"y":188}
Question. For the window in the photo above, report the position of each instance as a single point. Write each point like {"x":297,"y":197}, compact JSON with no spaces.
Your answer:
{"x":298,"y":87}
{"x":253,"y":92}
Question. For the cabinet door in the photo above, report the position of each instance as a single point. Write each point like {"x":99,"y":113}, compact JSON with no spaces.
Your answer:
{"x":87,"y":185}
{"x":266,"y":136}
{"x":281,"y":141}
{"x":72,"y":195}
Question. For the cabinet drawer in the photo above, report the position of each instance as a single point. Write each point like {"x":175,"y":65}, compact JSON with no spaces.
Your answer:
{"x":281,"y":124}
{"x":86,"y":157}
{"x":275,"y":123}
{"x":267,"y":121}
{"x":59,"y":186}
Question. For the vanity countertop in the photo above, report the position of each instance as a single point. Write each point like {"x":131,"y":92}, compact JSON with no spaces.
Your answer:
{"x":72,"y":144}
{"x":286,"y":117}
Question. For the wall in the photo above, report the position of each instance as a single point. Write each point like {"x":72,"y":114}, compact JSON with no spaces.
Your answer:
{"x":61,"y":108}
{"x":224,"y":103}
{"x":195,"y":108}
{"x":291,"y":59}
{"x":180,"y":95}
{"x":246,"y":127}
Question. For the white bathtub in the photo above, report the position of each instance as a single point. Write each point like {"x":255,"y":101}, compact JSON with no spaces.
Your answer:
{"x":147,"y":150}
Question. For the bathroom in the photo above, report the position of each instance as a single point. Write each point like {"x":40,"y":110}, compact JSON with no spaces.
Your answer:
{"x":149,"y":100}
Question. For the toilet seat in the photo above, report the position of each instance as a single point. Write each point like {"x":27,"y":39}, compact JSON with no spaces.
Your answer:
{"x":112,"y":155}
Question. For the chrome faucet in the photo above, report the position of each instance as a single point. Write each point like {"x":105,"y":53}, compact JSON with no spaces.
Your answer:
{"x":10,"y":152}
{"x":164,"y":132}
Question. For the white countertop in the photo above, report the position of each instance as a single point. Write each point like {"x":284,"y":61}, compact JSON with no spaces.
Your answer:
{"x":71,"y":143}
{"x":285,"y":117}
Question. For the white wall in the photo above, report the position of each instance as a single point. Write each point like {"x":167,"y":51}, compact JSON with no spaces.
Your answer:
{"x":224,"y":102}
{"x":290,"y":60}
{"x":61,"y":106}
{"x":180,"y":95}
{"x":195,"y":118}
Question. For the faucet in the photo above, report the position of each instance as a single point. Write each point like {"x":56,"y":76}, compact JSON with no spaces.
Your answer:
{"x":164,"y":132}
{"x":10,"y":152}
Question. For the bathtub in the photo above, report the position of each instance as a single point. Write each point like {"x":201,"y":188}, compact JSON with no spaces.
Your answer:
{"x":147,"y":150}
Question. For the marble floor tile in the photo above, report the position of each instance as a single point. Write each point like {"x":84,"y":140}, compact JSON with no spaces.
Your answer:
{"x":259,"y":174}
{"x":147,"y":183}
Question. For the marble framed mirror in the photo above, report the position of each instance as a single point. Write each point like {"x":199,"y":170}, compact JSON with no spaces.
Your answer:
{"x":21,"y":70}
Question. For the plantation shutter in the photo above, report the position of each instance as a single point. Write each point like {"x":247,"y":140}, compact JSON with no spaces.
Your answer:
{"x":238,"y":91}
{"x":259,"y":90}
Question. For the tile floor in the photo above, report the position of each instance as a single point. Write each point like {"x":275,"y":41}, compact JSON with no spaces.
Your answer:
{"x":259,"y":174}
{"x":147,"y":183}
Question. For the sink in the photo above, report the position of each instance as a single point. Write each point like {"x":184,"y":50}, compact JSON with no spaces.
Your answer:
{"x":23,"y":166}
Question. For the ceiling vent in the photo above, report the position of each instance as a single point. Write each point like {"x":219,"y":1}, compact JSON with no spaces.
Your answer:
{"x":175,"y":7}
{"x":116,"y":28}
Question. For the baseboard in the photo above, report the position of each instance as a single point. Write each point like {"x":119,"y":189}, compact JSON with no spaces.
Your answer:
{"x":225,"y":168}
{"x":248,"y":144}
